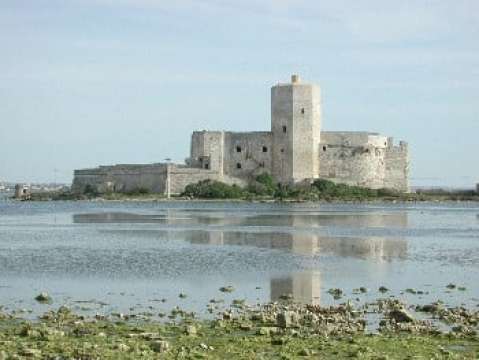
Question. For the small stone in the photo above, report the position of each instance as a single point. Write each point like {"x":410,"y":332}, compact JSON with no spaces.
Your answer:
{"x":451,"y":286}
{"x":204,"y":346}
{"x":190,"y":330}
{"x":401,"y":315}
{"x":43,"y":297}
{"x":182,"y":296}
{"x":227,"y":289}
{"x":337,"y":293}
{"x":287,"y":319}
{"x":279,"y":341}
{"x":122,"y":347}
{"x":263,"y":331}
{"x":101,"y":334}
{"x":160,"y":346}
{"x":305,"y":352}
{"x":383,"y":289}
{"x":31,"y":352}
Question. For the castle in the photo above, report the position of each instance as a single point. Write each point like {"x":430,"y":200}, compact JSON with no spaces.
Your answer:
{"x":295,"y":150}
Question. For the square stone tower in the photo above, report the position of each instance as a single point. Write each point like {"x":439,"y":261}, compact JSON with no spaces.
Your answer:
{"x":296,"y":128}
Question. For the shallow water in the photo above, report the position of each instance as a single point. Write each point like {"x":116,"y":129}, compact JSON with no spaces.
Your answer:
{"x":126,"y":256}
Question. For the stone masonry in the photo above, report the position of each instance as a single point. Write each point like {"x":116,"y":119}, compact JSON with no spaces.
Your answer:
{"x":295,"y":150}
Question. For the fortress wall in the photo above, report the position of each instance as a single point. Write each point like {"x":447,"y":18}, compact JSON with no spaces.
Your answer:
{"x":122,"y":178}
{"x":397,"y":166}
{"x":353,"y":165}
{"x":350,"y":138}
{"x":180,"y":177}
{"x":207,"y":150}
{"x":251,"y":157}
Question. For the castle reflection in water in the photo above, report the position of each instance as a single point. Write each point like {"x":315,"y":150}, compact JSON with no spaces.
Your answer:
{"x":300,"y":233}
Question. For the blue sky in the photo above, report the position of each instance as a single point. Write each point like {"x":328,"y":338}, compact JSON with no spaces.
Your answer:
{"x":90,"y":82}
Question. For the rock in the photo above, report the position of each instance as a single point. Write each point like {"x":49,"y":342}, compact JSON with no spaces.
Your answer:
{"x":287,"y":319}
{"x":190,"y":330}
{"x":305,"y":352}
{"x":401,"y":315}
{"x":160,"y":346}
{"x":43,"y":297}
{"x":279,"y":341}
{"x":122,"y":347}
{"x":31,"y":352}
{"x":451,"y":286}
{"x":411,"y":291}
{"x":245,"y":327}
{"x":227,"y":289}
{"x":337,"y":293}
{"x":383,"y":289}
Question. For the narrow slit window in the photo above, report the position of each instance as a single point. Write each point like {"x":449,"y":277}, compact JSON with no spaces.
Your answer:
{"x":207,"y":166}
{"x":284,"y":128}
{"x":324,"y":148}
{"x":302,"y":110}
{"x":282,"y":150}
{"x":238,"y":149}
{"x":238,"y":165}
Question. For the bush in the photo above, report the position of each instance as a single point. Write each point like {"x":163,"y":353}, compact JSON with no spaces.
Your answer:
{"x":264,"y":185}
{"x":211,"y":189}
{"x":329,"y":189}
{"x":138,"y":191}
{"x":90,"y":190}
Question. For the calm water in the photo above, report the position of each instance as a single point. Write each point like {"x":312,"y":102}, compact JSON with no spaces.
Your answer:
{"x":103,"y":257}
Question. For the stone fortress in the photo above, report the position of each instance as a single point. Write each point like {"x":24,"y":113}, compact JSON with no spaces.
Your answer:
{"x":294,"y":151}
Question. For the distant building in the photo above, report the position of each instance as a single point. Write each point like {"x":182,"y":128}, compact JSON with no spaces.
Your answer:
{"x":294,"y":150}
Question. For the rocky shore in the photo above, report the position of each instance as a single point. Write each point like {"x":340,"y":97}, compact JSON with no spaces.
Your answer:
{"x":382,"y":329}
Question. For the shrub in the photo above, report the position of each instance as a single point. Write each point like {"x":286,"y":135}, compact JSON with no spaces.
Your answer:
{"x":264,"y":184}
{"x":90,"y":190}
{"x":211,"y":189}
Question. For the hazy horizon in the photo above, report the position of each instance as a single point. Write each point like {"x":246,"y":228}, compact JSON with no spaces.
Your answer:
{"x":98,"y":82}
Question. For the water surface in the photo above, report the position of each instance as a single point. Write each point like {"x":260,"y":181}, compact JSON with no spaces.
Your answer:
{"x":127,"y":256}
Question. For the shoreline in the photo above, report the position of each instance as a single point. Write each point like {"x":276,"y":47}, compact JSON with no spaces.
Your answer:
{"x":283,"y":329}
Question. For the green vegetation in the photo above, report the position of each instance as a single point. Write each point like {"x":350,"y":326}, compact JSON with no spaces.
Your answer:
{"x":265,"y":187}
{"x":210,"y":189}
{"x":79,"y":339}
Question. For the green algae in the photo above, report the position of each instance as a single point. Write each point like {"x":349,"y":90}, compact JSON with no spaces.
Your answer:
{"x":124,"y":340}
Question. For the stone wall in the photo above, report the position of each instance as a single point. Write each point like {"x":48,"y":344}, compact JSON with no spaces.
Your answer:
{"x":207,"y":150}
{"x":247,"y":154}
{"x":364,"y":159}
{"x":352,"y":165}
{"x":397,"y":166}
{"x":121,"y":178}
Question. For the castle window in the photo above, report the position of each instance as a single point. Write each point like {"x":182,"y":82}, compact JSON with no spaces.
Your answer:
{"x":207,"y":166}
{"x":284,"y":128}
{"x":238,"y":165}
{"x":265,"y":149}
{"x":282,"y":150}
{"x":302,"y":110}
{"x":238,"y":149}
{"x":324,"y":148}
